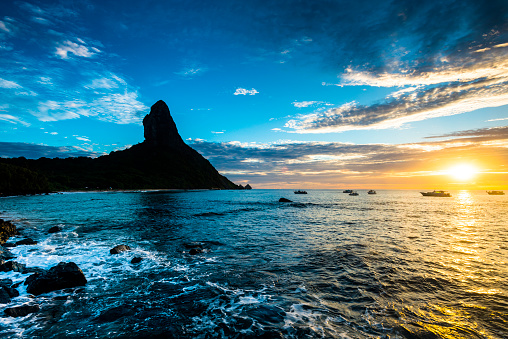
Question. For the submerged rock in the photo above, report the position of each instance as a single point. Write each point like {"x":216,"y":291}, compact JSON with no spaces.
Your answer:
{"x":284,"y":200}
{"x":136,"y":260}
{"x":21,"y":311}
{"x":119,"y":249}
{"x":26,"y":241}
{"x":63,"y":275}
{"x":55,"y":229}
{"x":195,"y":251}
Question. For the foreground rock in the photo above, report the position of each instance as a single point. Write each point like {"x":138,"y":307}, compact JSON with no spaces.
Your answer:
{"x":64,"y":275}
{"x":7,"y":230}
{"x":21,"y":311}
{"x":119,"y":249}
{"x":5,"y":254}
{"x":284,"y":200}
{"x":12,"y":266}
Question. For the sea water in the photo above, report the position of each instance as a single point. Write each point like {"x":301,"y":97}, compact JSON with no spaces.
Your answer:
{"x":327,"y":265}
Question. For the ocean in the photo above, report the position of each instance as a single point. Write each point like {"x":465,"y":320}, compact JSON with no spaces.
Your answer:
{"x":327,"y":265}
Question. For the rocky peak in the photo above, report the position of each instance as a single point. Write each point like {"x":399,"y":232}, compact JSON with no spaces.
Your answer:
{"x":160,"y":129}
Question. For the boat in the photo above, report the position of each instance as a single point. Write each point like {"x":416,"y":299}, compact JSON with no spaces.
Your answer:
{"x":371,"y":192}
{"x":436,"y":194}
{"x":300,"y":192}
{"x":353,"y":193}
{"x":495,"y":192}
{"x":347,"y":191}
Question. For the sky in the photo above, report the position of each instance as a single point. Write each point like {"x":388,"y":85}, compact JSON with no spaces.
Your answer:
{"x":278,"y":94}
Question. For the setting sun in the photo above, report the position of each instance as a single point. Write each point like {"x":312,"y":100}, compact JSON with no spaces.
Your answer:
{"x":463,"y":172}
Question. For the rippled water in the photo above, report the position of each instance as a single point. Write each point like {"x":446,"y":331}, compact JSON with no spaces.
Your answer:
{"x":328,"y":265}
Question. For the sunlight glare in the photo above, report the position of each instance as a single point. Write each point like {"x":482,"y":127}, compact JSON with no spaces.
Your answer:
{"x":462,"y":172}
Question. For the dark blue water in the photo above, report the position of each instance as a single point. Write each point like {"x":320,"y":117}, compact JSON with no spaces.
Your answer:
{"x":328,"y":265}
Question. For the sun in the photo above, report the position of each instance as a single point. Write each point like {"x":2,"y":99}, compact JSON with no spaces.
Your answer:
{"x":463,"y":172}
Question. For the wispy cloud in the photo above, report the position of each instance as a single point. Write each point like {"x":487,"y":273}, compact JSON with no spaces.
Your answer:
{"x":64,"y":48}
{"x":432,"y":94}
{"x":12,"y":119}
{"x":301,"y":104}
{"x":243,"y":91}
{"x":8,"y":84}
{"x":46,"y":89}
{"x":192,"y":71}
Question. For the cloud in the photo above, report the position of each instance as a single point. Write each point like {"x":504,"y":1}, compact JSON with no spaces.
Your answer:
{"x":190,"y":72}
{"x":13,"y":119}
{"x":243,"y":91}
{"x":121,"y":108}
{"x":66,"y":47}
{"x":8,"y":84}
{"x":332,"y":163}
{"x":489,"y":89}
{"x":301,"y":104}
{"x":34,"y":151}
{"x":481,"y":134}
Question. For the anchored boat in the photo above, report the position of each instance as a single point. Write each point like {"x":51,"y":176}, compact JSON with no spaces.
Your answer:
{"x":436,"y":194}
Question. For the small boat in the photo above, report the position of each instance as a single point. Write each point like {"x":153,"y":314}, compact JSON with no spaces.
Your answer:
{"x":347,"y":191}
{"x":495,"y":192}
{"x":371,"y":192}
{"x":436,"y":194}
{"x":353,"y":193}
{"x":300,"y":192}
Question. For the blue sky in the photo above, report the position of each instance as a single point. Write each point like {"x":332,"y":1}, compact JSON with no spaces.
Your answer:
{"x":299,"y":93}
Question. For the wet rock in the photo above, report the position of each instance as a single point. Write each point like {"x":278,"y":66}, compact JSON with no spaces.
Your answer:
{"x":12,"y":266}
{"x":7,"y":230}
{"x":33,"y":270}
{"x":284,"y":200}
{"x":136,"y":260}
{"x":63,"y":275}
{"x":195,"y":251}
{"x":11,"y":291}
{"x":32,"y":278}
{"x":26,"y":241}
{"x":5,"y":254}
{"x":119,"y":249}
{"x":194,"y":245}
{"x":21,"y":311}
{"x":55,"y":229}
{"x":5,"y":298}
{"x":5,"y":282}
{"x":9,"y":245}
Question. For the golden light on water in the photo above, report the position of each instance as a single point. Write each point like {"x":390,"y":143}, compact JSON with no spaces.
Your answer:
{"x":463,"y":172}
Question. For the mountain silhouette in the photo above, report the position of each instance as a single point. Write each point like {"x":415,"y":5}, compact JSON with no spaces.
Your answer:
{"x":162,"y":161}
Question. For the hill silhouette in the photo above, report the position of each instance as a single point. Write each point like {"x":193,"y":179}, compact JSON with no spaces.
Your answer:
{"x":161,"y":161}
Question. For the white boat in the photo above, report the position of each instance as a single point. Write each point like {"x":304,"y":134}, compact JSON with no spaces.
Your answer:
{"x":371,"y":192}
{"x":436,"y":194}
{"x":353,"y":193}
